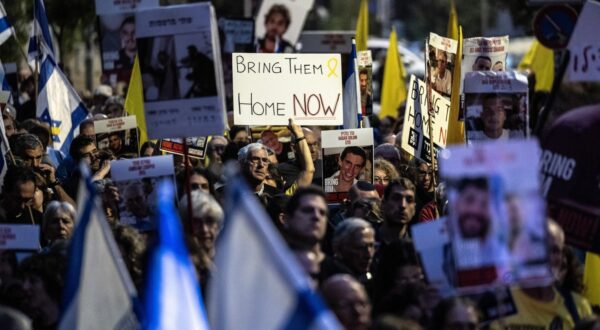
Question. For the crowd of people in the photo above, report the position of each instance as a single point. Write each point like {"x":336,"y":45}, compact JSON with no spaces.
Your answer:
{"x":359,"y":254}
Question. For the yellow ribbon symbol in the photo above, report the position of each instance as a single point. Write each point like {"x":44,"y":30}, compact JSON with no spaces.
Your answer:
{"x":329,"y":66}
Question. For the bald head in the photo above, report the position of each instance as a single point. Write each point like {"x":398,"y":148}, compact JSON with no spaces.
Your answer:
{"x":348,"y":300}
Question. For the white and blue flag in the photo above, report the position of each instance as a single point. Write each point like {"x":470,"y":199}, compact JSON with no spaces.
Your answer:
{"x":172,"y":297}
{"x":258,"y":283}
{"x":352,"y":104}
{"x":4,"y":149}
{"x":5,"y":85}
{"x":6,"y":30}
{"x":59,"y":105}
{"x":99,"y":293}
{"x":40,"y":39}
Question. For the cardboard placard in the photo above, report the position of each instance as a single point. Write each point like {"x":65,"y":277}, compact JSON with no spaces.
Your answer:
{"x":19,"y":237}
{"x":271,"y":24}
{"x":347,"y":158}
{"x":497,"y":106}
{"x":119,"y":135}
{"x":137,"y":180}
{"x":497,"y":217}
{"x":179,"y":54}
{"x":484,"y":54}
{"x":104,"y":7}
{"x":440,"y":63}
{"x":268,"y":89}
{"x":196,"y":146}
{"x":584,"y":45}
{"x":415,"y":135}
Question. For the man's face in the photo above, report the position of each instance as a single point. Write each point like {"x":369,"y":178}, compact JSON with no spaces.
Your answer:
{"x":358,"y":253}
{"x":114,"y":143}
{"x":33,"y":157}
{"x":258,"y":165}
{"x":352,"y":307}
{"x":217,"y":147}
{"x":363,"y":78}
{"x":351,"y":167}
{"x":275,"y":26}
{"x":89,"y":131}
{"x":493,"y":114}
{"x":482,"y":64}
{"x":136,"y":203}
{"x":199,"y":182}
{"x":424,"y":177}
{"x":60,"y":226}
{"x":313,"y":145}
{"x":114,"y":111}
{"x":270,"y":140}
{"x":22,"y":196}
{"x":441,"y":60}
{"x":309,"y":221}
{"x":89,"y":154}
{"x":472,"y":209}
{"x":400,"y":206}
{"x":9,"y":127}
{"x":127,"y":34}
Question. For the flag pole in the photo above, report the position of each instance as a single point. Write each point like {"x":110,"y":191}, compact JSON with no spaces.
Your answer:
{"x":37,"y":54}
{"x":188,"y":190}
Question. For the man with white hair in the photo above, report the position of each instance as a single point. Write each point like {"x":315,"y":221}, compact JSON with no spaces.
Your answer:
{"x":254,"y":162}
{"x":207,"y":219}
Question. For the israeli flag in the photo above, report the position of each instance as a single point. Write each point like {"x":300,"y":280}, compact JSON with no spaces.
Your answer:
{"x":4,"y":149}
{"x":99,"y":293}
{"x":40,"y":39}
{"x":5,"y":85}
{"x":258,"y":283}
{"x":59,"y":105}
{"x":6,"y":30}
{"x":173,"y":297}
{"x":352,"y":104}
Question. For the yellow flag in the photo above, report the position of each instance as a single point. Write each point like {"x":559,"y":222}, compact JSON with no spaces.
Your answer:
{"x":362,"y":26}
{"x":456,"y":128}
{"x":540,"y":60}
{"x":453,"y":22}
{"x":591,"y":278}
{"x":134,"y":103}
{"x":393,"y":90}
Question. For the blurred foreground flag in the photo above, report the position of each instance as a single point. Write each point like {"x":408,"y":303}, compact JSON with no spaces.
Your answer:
{"x":362,"y":26}
{"x":591,"y":278}
{"x":6,"y":30}
{"x":134,"y":102}
{"x":99,"y":293}
{"x":540,"y":60}
{"x":59,"y":105}
{"x":173,"y":298}
{"x":258,"y":283}
{"x":40,"y":39}
{"x":393,"y":91}
{"x":351,"y":95}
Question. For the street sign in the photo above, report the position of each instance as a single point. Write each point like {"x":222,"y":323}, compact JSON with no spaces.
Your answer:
{"x":554,"y":24}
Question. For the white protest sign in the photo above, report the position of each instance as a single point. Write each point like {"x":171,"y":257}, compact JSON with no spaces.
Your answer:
{"x":276,"y":10}
{"x":415,"y":135}
{"x":484,"y":54}
{"x":19,"y":237}
{"x":104,"y":7}
{"x":128,"y":169}
{"x":584,"y":45}
{"x":115,"y":124}
{"x":180,"y":57}
{"x":268,"y":89}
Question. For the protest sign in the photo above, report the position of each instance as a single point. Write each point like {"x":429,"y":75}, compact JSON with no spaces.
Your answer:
{"x":237,"y":35}
{"x":415,"y":134}
{"x":326,"y":42}
{"x":19,"y":237}
{"x":569,"y":167}
{"x":584,"y":45}
{"x":496,"y":106}
{"x":484,"y":54}
{"x":196,"y":146}
{"x":182,"y":79}
{"x":497,"y":217}
{"x":137,"y":181}
{"x":116,"y":32}
{"x":119,"y":135}
{"x":347,"y":158}
{"x":268,"y":89}
{"x":279,"y":23}
{"x":441,"y":57}
{"x":365,"y":78}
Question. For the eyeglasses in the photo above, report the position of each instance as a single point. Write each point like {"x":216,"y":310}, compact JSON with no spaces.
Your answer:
{"x":255,"y":160}
{"x":380,"y":179}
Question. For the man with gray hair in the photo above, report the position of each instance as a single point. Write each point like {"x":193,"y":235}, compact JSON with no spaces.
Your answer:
{"x":353,"y":248}
{"x":254,"y":162}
